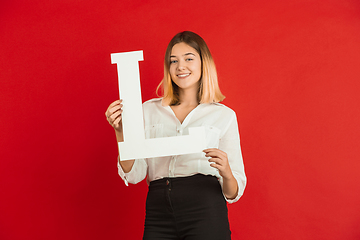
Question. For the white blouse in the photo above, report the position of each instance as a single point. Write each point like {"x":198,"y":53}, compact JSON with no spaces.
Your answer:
{"x":221,"y":132}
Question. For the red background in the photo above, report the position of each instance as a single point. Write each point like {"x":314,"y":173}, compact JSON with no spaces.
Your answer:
{"x":290,"y":69}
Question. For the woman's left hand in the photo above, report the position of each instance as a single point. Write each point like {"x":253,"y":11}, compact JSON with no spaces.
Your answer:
{"x":219,"y":161}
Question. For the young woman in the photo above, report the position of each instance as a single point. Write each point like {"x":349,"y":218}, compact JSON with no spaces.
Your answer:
{"x":187,"y":193}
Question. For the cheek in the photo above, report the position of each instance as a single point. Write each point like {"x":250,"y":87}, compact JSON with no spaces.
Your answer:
{"x":198,"y":69}
{"x":172,"y":70}
{"x":198,"y":66}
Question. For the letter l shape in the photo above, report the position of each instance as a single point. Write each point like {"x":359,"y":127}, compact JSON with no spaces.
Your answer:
{"x":135,"y":145}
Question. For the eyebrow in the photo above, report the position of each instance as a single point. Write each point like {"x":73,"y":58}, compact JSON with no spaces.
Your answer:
{"x":186,"y":54}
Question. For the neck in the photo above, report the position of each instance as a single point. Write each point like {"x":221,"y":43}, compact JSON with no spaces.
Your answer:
{"x":188,"y":97}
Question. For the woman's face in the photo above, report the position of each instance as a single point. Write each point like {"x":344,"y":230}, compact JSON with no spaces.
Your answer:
{"x":185,"y":66}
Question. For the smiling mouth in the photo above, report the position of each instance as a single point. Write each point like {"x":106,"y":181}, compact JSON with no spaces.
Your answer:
{"x":183,"y":75}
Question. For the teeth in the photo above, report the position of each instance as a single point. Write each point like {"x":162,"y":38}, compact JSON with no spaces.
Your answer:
{"x":184,"y":75}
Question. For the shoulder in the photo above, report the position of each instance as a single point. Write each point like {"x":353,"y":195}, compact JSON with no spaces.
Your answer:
{"x":221,"y":108}
{"x":153,"y":111}
{"x":152,"y":102}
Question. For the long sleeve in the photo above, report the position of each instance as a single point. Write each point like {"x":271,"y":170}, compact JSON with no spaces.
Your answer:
{"x":137,"y":173}
{"x":221,"y":132}
{"x":230,"y":143}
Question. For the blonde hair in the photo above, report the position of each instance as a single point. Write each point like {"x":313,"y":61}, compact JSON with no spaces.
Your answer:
{"x":209,"y":90}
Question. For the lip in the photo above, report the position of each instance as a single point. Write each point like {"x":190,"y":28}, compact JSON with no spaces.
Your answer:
{"x":183,"y":75}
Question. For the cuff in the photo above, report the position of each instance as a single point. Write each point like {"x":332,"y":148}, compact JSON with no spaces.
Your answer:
{"x":240,"y":191}
{"x":121,"y":173}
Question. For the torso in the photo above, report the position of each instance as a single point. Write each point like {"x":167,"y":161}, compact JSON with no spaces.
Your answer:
{"x":182,"y":111}
{"x":221,"y":132}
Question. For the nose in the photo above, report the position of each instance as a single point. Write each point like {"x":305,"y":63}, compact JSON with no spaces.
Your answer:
{"x":181,"y":65}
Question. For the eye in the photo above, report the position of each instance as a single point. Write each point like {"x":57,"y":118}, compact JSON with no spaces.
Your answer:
{"x":189,"y":59}
{"x":173,"y":61}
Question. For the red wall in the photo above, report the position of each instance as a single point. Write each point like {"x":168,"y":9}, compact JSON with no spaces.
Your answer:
{"x":290,"y":69}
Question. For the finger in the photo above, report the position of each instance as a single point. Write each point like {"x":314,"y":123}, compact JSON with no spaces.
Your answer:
{"x":214,"y":150}
{"x":219,"y":165}
{"x":214,"y":153}
{"x":216,"y":166}
{"x":113,"y":110}
{"x":209,"y":149}
{"x":114,"y":116}
{"x":116,"y":123}
{"x":117,"y":102}
{"x":216,"y":161}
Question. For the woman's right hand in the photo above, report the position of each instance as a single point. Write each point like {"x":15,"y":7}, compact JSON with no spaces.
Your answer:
{"x":113,"y":115}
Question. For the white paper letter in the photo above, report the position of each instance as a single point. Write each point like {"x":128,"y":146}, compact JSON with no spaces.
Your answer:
{"x":135,"y":145}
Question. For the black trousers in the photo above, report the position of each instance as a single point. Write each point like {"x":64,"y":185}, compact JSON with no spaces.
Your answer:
{"x":186,"y":208}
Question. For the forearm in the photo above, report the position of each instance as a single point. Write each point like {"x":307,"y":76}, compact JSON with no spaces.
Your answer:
{"x":119,"y":136}
{"x":230,"y":187}
{"x":125,"y":165}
